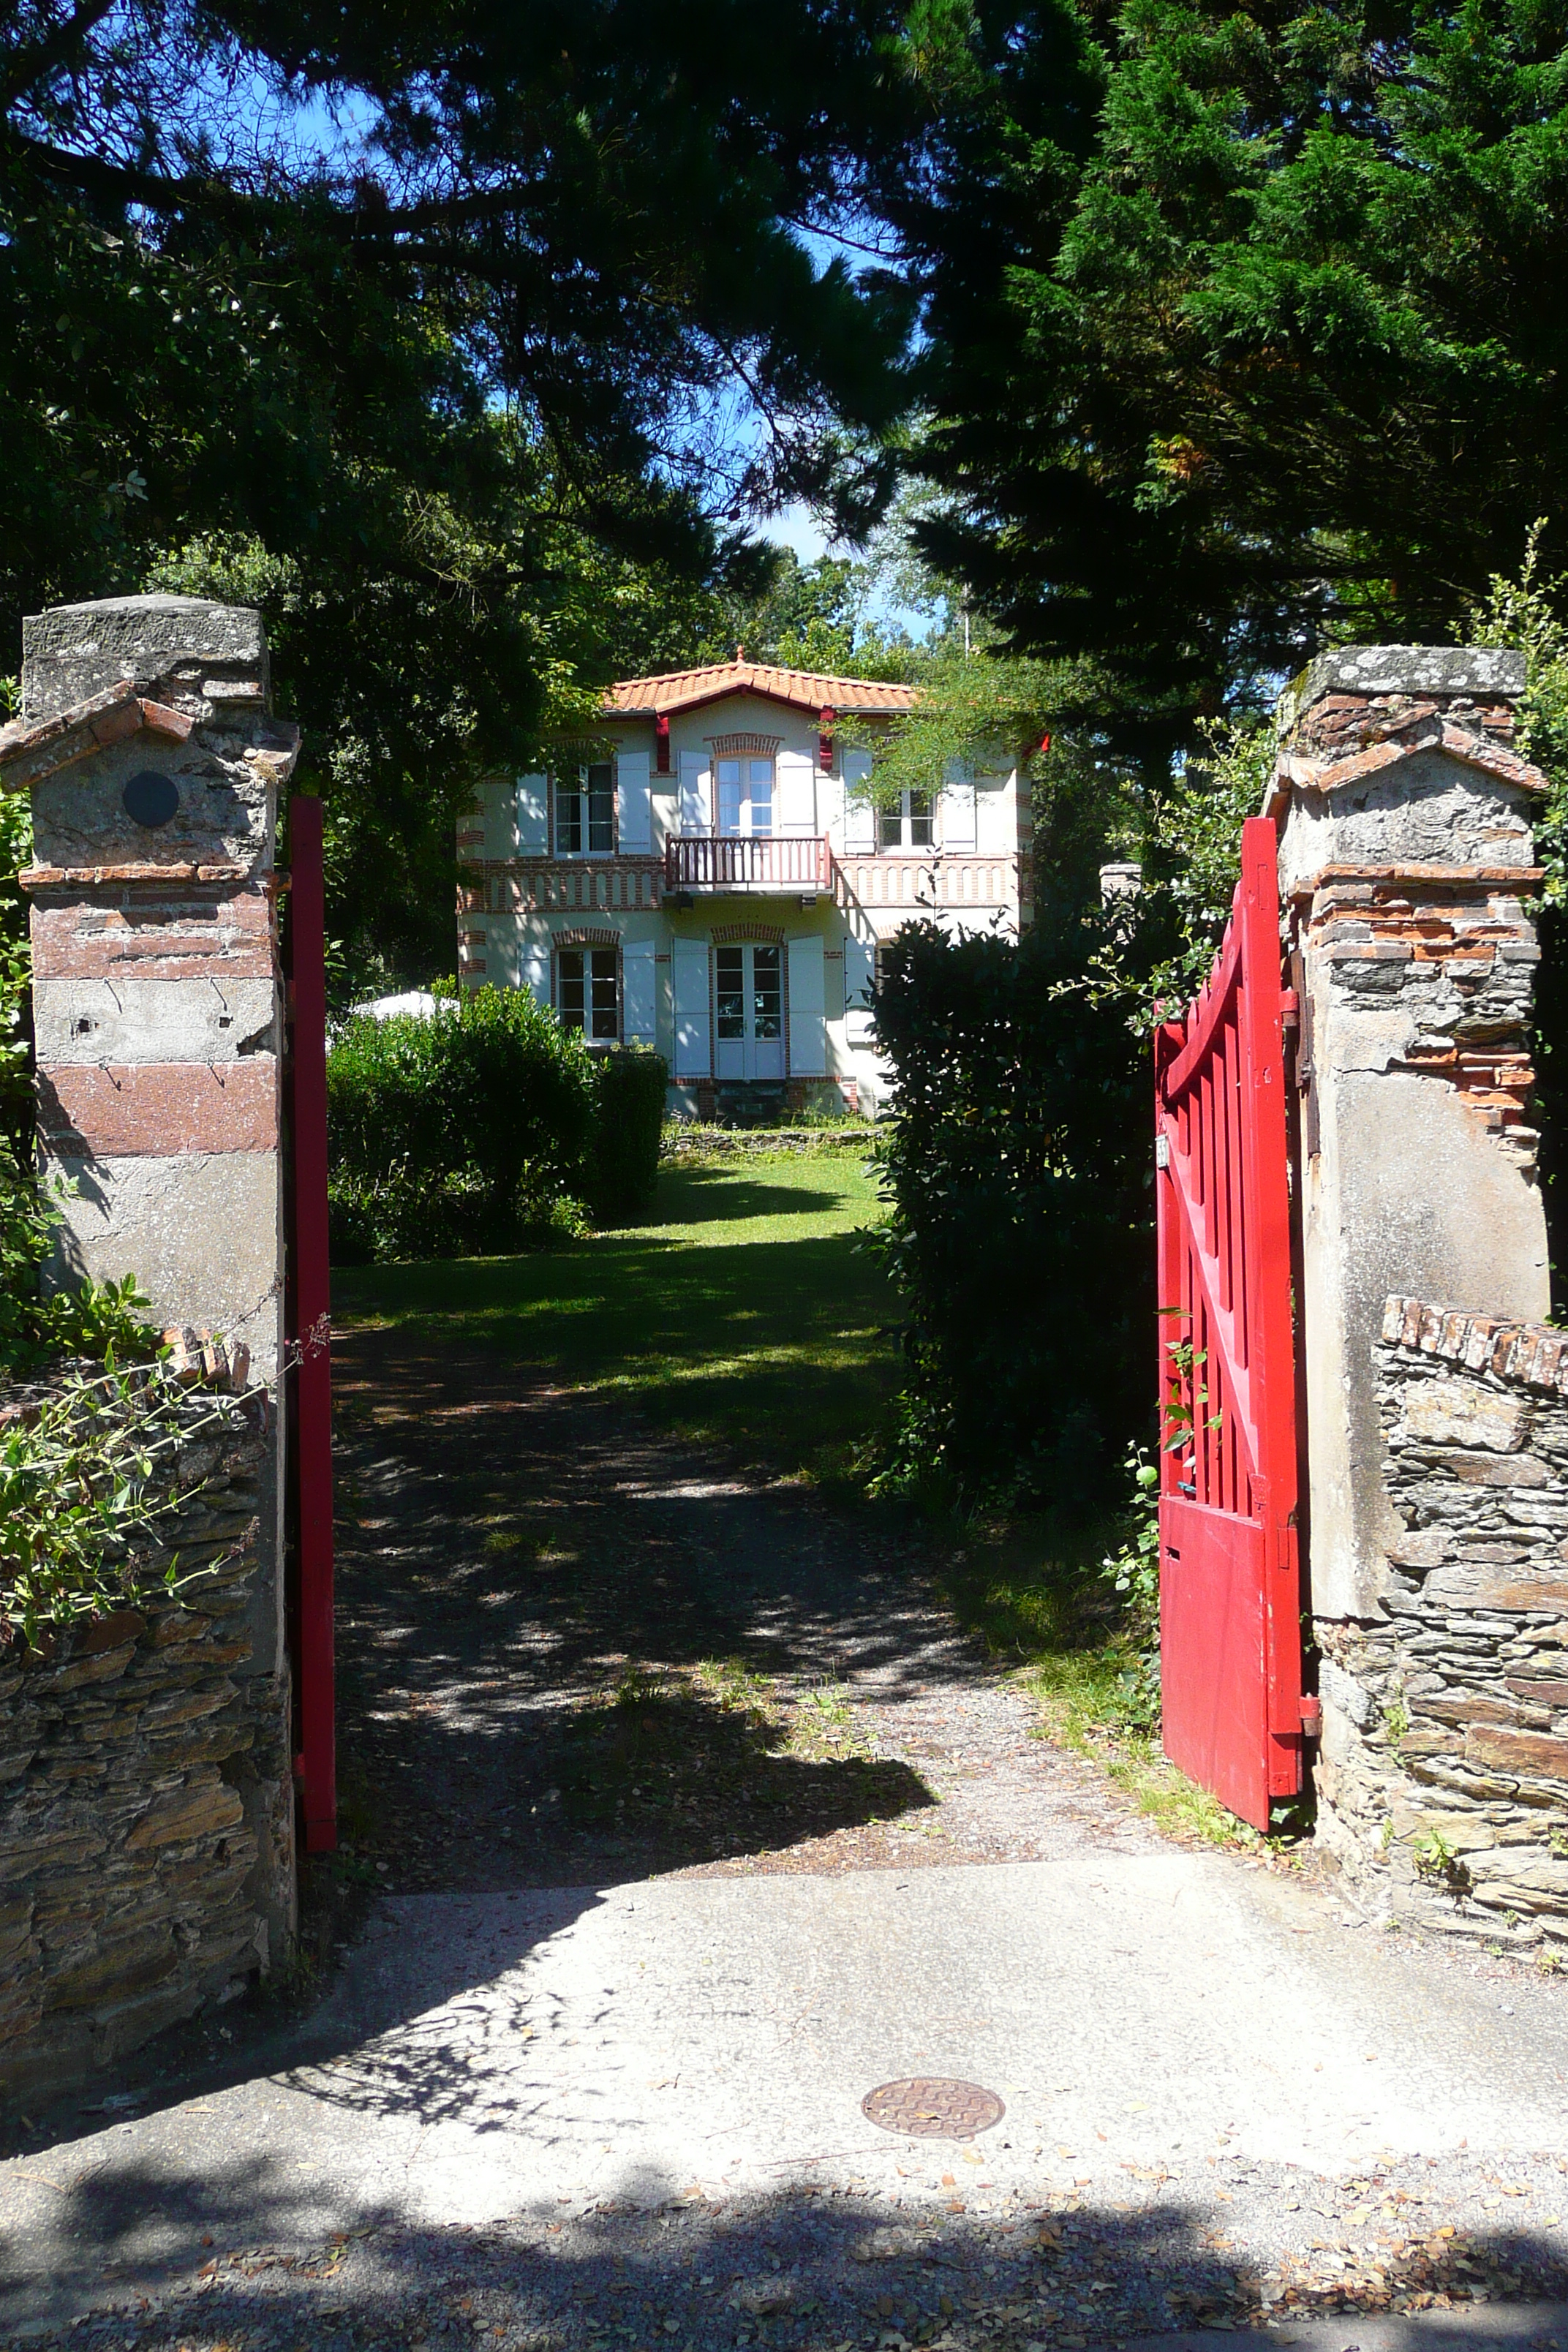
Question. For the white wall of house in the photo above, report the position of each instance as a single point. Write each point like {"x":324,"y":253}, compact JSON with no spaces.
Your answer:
{"x":536,"y":897}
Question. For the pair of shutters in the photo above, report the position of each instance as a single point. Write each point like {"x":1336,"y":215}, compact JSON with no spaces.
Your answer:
{"x":957,"y":807}
{"x":638,"y":985}
{"x":808,"y":1008}
{"x":634,"y":809}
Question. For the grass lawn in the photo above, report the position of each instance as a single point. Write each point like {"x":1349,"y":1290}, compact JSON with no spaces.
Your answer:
{"x":748,"y":1311}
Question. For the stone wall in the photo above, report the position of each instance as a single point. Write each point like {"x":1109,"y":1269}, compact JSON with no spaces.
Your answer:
{"x":1443,"y":1780}
{"x":146,"y":1801}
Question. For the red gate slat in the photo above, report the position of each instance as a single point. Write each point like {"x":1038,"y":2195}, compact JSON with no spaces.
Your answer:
{"x":310,"y":1303}
{"x":1229,"y":1580}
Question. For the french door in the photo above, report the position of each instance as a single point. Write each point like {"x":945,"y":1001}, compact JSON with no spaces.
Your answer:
{"x":745,"y":797}
{"x":747,"y":1005}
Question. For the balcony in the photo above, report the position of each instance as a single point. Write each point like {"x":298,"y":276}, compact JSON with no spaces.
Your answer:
{"x":757,"y":863}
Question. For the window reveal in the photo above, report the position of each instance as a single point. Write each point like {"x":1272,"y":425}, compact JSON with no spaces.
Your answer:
{"x":587,"y":991}
{"x":585,"y":812}
{"x":909,"y":826}
{"x":745,"y":796}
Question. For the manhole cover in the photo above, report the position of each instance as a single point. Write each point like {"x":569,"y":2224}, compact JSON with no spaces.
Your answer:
{"x":934,"y":2107}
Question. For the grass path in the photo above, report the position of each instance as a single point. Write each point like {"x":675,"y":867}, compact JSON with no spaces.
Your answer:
{"x":749,"y":1313}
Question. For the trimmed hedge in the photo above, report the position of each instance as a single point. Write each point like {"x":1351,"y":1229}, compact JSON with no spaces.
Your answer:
{"x":482,"y":1129}
{"x":628,"y":1126}
{"x":456,"y":1135}
{"x":1017,"y":1158}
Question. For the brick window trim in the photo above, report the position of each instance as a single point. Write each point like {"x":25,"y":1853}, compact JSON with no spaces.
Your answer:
{"x":766,"y":746}
{"x":584,"y":936}
{"x":747,"y":935}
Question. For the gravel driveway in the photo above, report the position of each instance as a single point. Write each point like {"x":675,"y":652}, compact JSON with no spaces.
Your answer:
{"x":685,"y":1819}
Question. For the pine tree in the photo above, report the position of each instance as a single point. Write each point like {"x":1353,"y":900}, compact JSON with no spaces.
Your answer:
{"x":1249,"y":327}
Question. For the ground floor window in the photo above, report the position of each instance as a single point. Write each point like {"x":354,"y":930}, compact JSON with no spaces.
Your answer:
{"x":587,"y":992}
{"x":886,"y":957}
{"x":748,"y":1008}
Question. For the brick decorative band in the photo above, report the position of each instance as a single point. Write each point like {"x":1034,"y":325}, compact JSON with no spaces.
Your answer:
{"x":580,"y":937}
{"x":187,"y":935}
{"x":765,"y":746}
{"x":1428,"y":877}
{"x":1530,"y":1354}
{"x":127,"y":1111}
{"x":94,"y":878}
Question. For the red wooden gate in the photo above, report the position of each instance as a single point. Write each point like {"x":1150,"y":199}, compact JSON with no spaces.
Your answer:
{"x":309,"y":1315}
{"x":1230,"y":1639}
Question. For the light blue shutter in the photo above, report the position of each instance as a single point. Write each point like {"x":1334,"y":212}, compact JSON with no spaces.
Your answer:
{"x":958,"y":806}
{"x":807,"y":1002}
{"x":797,"y":792}
{"x":634,"y":805}
{"x":689,"y":969}
{"x":859,"y":817}
{"x":533,"y":968}
{"x":860,"y":971}
{"x":694,"y":817}
{"x":637,"y":1001}
{"x":532,"y":815}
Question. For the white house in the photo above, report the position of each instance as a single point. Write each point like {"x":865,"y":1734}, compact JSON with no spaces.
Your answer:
{"x":708,"y":888}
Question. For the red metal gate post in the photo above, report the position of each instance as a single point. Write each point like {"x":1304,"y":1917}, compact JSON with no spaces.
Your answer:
{"x":310,"y":1292}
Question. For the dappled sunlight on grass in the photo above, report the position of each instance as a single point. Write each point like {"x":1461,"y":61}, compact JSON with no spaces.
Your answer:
{"x":750,"y":1313}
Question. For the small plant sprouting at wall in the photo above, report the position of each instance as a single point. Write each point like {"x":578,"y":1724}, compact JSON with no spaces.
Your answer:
{"x":1437,"y":1861}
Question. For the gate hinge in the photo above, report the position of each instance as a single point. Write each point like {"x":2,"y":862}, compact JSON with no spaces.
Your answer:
{"x":1311,"y":1716}
{"x":1289,"y":1009}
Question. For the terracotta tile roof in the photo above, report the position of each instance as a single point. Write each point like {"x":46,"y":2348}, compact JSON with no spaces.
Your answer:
{"x":682,"y":689}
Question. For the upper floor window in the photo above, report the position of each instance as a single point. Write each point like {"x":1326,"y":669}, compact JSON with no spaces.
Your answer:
{"x":585,"y":812}
{"x":745,"y":796}
{"x":587,"y":991}
{"x":909,"y":825}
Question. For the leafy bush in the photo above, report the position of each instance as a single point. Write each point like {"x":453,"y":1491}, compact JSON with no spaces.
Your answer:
{"x":457,"y":1134}
{"x":85,"y":1475}
{"x":1018,"y":1166}
{"x":37,"y":1324}
{"x":629,"y":1127}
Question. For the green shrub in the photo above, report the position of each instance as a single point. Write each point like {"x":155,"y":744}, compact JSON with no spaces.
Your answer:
{"x":1018,"y":1162}
{"x":37,"y":1324}
{"x":629,"y":1127}
{"x":455,"y":1135}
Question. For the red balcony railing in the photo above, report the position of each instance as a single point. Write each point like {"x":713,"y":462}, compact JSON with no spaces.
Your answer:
{"x":758,"y":862}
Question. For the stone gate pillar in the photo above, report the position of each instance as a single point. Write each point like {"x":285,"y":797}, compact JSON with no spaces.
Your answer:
{"x":1406,"y":865}
{"x":153,"y":763}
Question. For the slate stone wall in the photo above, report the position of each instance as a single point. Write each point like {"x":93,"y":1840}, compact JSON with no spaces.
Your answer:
{"x":1443,"y":1778}
{"x":146,"y":1800}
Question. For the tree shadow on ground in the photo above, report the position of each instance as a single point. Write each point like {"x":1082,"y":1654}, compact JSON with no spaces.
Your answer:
{"x":802,"y":2268}
{"x":701,"y":1196}
{"x":570,"y":1650}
